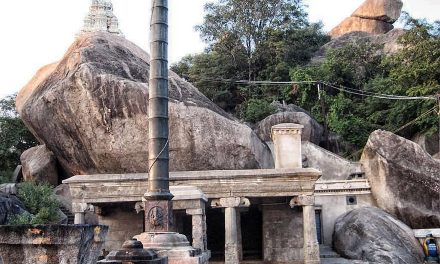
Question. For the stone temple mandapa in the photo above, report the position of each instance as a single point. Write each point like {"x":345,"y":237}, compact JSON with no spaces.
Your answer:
{"x":101,"y":18}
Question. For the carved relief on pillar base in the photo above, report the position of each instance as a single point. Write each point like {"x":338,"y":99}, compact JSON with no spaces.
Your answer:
{"x":311,"y":253}
{"x":302,"y":200}
{"x":158,"y":216}
{"x":232,"y":253}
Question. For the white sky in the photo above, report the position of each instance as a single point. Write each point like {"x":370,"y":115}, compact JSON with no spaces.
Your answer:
{"x":36,"y":33}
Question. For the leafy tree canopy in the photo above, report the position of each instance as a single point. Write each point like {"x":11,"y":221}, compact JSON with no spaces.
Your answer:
{"x":15,"y":138}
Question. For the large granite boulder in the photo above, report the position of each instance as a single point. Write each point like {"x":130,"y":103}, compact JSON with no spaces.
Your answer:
{"x":405,"y":180}
{"x":312,"y":131}
{"x":372,"y":235}
{"x":373,"y":16}
{"x":91,"y":111}
{"x":354,"y":24}
{"x":10,"y":206}
{"x":429,"y":143}
{"x":382,"y":10}
{"x":39,"y":165}
{"x":289,"y":113}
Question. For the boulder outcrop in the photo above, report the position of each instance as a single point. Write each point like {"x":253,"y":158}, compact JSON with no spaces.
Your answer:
{"x":39,"y":165}
{"x":373,"y":16}
{"x":91,"y":111}
{"x":405,"y":180}
{"x":372,"y":235}
{"x":10,"y":205}
{"x":312,"y":131}
{"x":382,"y":10}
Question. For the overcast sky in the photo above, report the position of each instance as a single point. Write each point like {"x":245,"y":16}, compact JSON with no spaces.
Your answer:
{"x":36,"y":33}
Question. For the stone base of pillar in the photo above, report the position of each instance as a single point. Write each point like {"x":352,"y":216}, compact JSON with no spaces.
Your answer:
{"x":232,"y":253}
{"x":133,"y":252}
{"x":311,"y":254}
{"x":174,"y":246}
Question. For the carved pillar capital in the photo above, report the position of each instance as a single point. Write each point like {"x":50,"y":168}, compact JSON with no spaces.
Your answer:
{"x":302,"y":200}
{"x":198,"y":211}
{"x":231,"y":202}
{"x":82,"y":208}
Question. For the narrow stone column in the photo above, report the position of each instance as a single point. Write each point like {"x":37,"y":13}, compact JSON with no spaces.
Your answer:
{"x":311,"y":245}
{"x":287,"y":145}
{"x":198,"y":228}
{"x":79,"y":210}
{"x":233,"y":250}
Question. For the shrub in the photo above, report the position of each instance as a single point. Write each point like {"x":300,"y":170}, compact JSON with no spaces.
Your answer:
{"x":257,"y":109}
{"x":41,"y":203}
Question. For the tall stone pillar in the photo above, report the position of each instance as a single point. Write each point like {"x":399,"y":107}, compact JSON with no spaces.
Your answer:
{"x":232,"y":251}
{"x":311,"y":245}
{"x":287,"y":145}
{"x":233,"y":246}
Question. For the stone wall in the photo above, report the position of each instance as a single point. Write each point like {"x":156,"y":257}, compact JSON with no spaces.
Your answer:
{"x":45,"y":244}
{"x":282,"y":234}
{"x":123,"y":223}
{"x":333,"y":206}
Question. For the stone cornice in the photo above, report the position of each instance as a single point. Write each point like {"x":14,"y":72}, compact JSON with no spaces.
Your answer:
{"x":98,"y":189}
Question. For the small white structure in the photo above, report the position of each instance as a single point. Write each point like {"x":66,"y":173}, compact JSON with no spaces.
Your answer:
{"x":101,"y":18}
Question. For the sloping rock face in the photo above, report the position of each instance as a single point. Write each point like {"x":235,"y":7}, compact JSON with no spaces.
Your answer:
{"x":405,"y":180}
{"x":91,"y":111}
{"x":372,"y":235}
{"x":39,"y":165}
{"x":10,"y":205}
{"x":373,"y":16}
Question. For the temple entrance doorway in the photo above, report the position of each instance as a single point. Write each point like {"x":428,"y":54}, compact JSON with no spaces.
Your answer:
{"x":215,"y":220}
{"x":252,"y":233}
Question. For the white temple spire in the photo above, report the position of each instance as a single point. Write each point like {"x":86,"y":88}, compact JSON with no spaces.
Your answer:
{"x":101,"y":18}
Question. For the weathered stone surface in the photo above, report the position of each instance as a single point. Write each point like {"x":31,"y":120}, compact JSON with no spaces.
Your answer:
{"x":290,"y":114}
{"x":405,"y":180}
{"x":51,"y":244}
{"x":372,"y":235}
{"x":333,"y":167}
{"x":383,"y":10}
{"x":39,"y":165}
{"x":9,"y":206}
{"x":353,"y":24}
{"x":91,"y":112}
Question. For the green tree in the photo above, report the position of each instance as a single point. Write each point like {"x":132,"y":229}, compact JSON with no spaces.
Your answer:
{"x":15,"y":138}
{"x":249,"y":23}
{"x":250,"y":40}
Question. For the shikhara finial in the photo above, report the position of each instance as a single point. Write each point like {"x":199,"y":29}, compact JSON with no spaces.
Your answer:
{"x":101,"y":18}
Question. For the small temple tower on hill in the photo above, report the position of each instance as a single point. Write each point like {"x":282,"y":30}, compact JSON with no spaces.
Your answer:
{"x":101,"y":18}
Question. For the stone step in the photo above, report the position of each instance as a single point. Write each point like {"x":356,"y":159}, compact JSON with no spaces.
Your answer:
{"x":327,"y":252}
{"x":70,"y":216}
